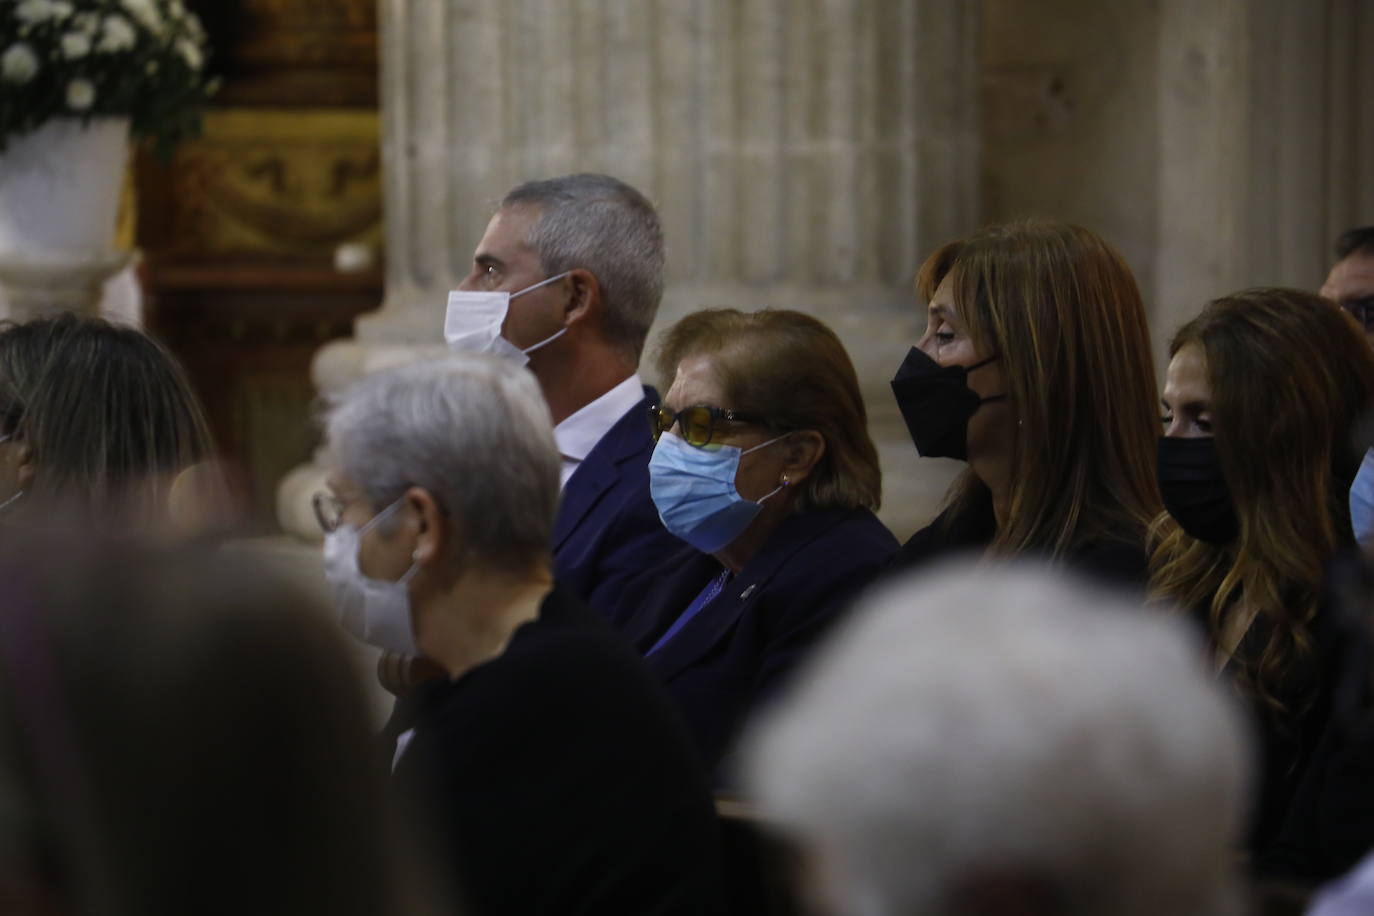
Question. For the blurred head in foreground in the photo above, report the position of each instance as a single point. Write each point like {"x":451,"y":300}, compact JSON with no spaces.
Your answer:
{"x":97,"y":422}
{"x":180,"y":734}
{"x":998,"y":742}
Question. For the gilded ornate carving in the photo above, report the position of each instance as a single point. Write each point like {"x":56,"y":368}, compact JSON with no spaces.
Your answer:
{"x":275,"y":183}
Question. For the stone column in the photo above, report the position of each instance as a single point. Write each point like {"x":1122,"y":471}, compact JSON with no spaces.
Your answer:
{"x":1266,"y":145}
{"x":803,"y":154}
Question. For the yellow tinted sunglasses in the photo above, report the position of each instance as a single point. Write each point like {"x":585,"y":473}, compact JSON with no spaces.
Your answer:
{"x":697,"y":423}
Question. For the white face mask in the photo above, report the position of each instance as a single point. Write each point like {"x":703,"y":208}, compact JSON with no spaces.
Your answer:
{"x":472,"y":323}
{"x":373,"y":610}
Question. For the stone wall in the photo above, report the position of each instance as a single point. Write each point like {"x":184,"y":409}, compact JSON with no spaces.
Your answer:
{"x":1219,"y":145}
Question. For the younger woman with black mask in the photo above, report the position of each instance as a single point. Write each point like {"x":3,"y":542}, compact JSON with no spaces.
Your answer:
{"x":1263,"y":394}
{"x":1035,"y":368}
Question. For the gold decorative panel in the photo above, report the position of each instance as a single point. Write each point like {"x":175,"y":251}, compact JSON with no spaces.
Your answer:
{"x":263,"y":182}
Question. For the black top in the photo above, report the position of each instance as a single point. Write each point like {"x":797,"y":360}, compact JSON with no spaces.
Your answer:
{"x":558,"y":778}
{"x":1119,"y":562}
{"x":1285,"y":740}
{"x":1329,"y":824}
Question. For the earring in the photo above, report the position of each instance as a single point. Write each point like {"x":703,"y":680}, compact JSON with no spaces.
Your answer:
{"x":785,"y":481}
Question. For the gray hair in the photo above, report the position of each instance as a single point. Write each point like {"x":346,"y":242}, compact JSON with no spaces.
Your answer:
{"x":979,"y":719}
{"x":602,"y":225}
{"x":471,"y":429}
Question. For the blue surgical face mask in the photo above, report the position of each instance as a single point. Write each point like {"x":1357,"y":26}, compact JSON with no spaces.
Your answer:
{"x":694,"y":491}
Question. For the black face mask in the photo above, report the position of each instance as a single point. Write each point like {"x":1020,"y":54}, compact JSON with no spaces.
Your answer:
{"x":937,"y":403}
{"x":1194,"y":489}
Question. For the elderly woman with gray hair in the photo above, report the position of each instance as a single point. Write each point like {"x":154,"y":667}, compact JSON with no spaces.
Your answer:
{"x":557,"y":774}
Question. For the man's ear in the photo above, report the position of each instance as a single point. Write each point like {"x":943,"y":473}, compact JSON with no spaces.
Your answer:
{"x":585,"y":299}
{"x":805,"y":449}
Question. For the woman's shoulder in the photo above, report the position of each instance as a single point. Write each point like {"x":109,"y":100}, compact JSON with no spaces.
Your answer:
{"x":831,"y":538}
{"x":956,"y":530}
{"x":567,"y":658}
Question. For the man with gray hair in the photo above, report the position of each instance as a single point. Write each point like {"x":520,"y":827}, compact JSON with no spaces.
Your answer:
{"x":552,"y":766}
{"x":1005,"y":741}
{"x":567,"y":279}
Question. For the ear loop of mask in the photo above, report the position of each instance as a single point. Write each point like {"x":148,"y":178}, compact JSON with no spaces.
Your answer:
{"x":377,"y":520}
{"x":529,"y":289}
{"x":979,"y":365}
{"x":785,"y":482}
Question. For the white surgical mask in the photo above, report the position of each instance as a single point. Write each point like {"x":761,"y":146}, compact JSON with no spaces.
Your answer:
{"x":373,"y":610}
{"x":472,"y":323}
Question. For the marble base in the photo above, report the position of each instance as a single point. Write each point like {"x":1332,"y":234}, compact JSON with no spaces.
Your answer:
{"x":43,"y":288}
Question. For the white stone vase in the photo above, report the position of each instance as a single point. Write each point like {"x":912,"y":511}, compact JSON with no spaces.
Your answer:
{"x":59,"y":191}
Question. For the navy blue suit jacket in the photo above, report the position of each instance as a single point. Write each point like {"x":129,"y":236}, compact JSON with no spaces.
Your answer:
{"x":741,"y":647}
{"x":607,"y":530}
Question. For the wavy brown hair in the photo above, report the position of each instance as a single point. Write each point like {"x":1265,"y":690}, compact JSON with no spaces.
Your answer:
{"x":1291,"y":376}
{"x":791,"y":369}
{"x":1060,"y":308}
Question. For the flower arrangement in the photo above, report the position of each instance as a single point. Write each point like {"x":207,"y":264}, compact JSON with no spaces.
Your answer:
{"x":141,"y":59}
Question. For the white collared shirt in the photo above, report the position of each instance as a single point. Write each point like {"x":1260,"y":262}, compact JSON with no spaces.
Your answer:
{"x":578,"y":434}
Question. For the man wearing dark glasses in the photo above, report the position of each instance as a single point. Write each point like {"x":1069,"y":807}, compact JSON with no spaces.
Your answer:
{"x":568,"y":276}
{"x":1350,"y":284}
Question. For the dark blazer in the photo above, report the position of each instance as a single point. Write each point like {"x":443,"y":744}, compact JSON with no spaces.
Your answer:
{"x":607,"y":530}
{"x":558,"y":778}
{"x":742,"y":646}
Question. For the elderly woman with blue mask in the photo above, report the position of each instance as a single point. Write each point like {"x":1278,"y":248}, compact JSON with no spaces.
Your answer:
{"x":765,"y":469}
{"x":555,"y":770}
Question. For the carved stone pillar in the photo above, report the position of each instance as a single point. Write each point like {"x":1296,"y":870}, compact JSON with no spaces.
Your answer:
{"x":1266,"y":148}
{"x":803,"y":154}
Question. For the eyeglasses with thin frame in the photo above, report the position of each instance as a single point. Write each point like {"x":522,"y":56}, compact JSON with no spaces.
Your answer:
{"x":697,"y":422}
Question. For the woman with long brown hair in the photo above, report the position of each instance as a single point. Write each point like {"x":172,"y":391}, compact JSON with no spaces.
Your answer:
{"x":1035,"y":367}
{"x":1264,"y":391}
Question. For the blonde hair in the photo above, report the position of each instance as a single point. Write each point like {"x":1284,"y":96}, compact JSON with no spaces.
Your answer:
{"x":792,"y":371}
{"x":1061,"y":309}
{"x":1290,"y":376}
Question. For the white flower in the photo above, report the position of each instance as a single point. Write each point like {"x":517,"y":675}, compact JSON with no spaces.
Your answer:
{"x":18,"y":64}
{"x":145,"y":11}
{"x":118,"y":35}
{"x":75,"y":45}
{"x":80,"y":94}
{"x":190,"y":53}
{"x":86,"y":22}
{"x":61,"y":9}
{"x":35,"y":10}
